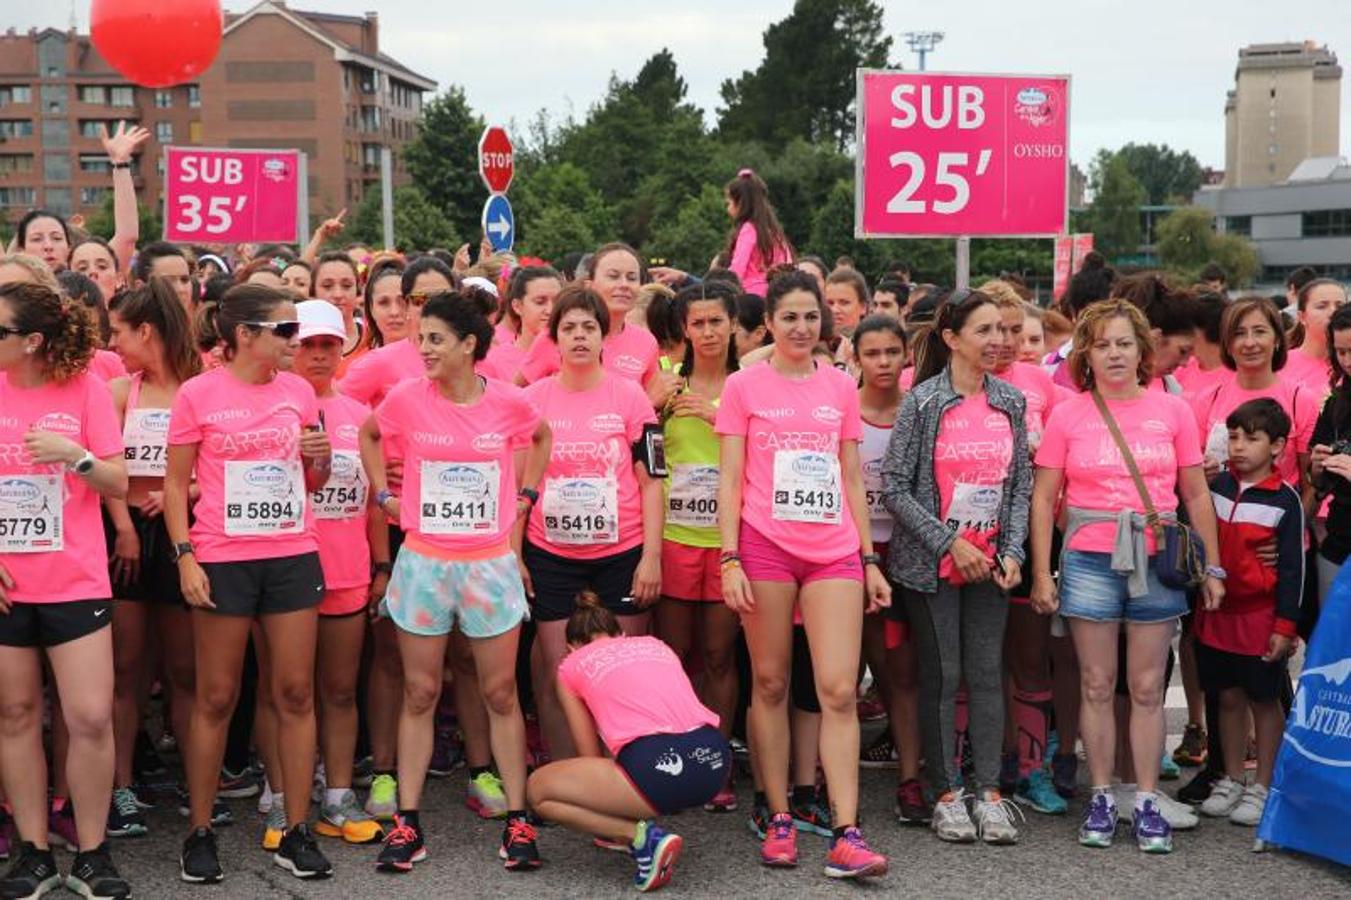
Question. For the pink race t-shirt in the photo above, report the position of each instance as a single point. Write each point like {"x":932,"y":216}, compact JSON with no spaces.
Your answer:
{"x":107,"y":365}
{"x":52,"y":542}
{"x":1308,"y":372}
{"x":1299,"y":402}
{"x":373,"y":374}
{"x":459,"y":472}
{"x":793,"y":490}
{"x":1161,"y":432}
{"x":971,"y":460}
{"x":1196,"y":381}
{"x":634,"y":687}
{"x":1040,"y":393}
{"x":631,"y":353}
{"x":339,"y":507}
{"x":749,"y":265}
{"x":503,"y":361}
{"x":590,"y":505}
{"x":253,"y":502}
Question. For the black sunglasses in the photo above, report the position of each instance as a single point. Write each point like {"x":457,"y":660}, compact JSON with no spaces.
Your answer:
{"x":6,"y":331}
{"x":283,"y":330}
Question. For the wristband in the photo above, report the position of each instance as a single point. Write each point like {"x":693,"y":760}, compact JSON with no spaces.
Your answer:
{"x":382,"y":568}
{"x":729,"y":555}
{"x":732,"y":563}
{"x":1216,"y":572}
{"x":382,"y":497}
{"x":872,"y":559}
{"x":121,"y":165}
{"x":529,"y":494}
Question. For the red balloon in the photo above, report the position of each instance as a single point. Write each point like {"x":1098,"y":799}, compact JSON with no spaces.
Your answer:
{"x":157,"y":43}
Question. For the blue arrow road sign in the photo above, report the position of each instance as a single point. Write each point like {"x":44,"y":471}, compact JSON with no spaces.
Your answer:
{"x":498,"y":222}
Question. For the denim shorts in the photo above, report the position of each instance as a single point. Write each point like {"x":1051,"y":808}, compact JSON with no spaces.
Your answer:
{"x":1090,"y":590}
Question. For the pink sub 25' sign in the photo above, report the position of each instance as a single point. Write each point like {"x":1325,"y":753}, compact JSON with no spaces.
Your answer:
{"x":943,"y":155}
{"x":231,"y":196}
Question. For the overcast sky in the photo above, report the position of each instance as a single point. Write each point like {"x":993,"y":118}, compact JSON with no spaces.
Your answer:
{"x":1150,"y":71}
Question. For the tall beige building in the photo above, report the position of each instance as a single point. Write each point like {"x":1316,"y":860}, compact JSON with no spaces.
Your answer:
{"x":1284,"y":109}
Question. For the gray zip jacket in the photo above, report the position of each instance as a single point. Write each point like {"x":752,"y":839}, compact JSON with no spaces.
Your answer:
{"x":919,"y":539}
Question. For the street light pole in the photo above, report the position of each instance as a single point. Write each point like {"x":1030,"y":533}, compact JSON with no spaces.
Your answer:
{"x":923,"y":43}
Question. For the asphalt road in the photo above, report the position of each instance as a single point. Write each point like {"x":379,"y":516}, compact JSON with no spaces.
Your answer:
{"x":720,"y":860}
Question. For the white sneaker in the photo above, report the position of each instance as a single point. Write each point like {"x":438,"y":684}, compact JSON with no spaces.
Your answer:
{"x":993,"y":823}
{"x":1224,"y":796}
{"x":951,"y":821}
{"x":1179,"y":815}
{"x":1250,"y":806}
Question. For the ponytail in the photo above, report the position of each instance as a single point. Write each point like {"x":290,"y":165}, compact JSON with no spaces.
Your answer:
{"x":931,"y":351}
{"x":590,"y":620}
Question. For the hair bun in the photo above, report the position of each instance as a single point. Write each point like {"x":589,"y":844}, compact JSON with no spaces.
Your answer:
{"x":478,"y":299}
{"x":588,"y":600}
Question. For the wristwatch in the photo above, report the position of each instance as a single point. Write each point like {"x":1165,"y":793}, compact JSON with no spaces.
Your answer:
{"x":84,"y":465}
{"x":382,"y":497}
{"x":1216,"y":572}
{"x":872,"y":559}
{"x":182,"y":550}
{"x":529,"y":494}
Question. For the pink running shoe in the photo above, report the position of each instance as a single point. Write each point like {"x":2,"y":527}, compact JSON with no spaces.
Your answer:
{"x":850,"y":857}
{"x":725,"y":799}
{"x":779,"y":847}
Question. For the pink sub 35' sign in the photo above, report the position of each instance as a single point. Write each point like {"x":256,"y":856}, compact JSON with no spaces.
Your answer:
{"x":942,"y":155}
{"x":230,"y":196}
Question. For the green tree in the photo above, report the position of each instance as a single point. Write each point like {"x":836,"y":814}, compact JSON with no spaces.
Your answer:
{"x":1167,"y":175}
{"x":694,"y":235}
{"x":418,"y":223}
{"x":443,"y":160}
{"x":101,"y":222}
{"x":561,"y":187}
{"x":1185,"y":237}
{"x":1238,"y":257}
{"x":805,"y":86}
{"x":1115,"y":212}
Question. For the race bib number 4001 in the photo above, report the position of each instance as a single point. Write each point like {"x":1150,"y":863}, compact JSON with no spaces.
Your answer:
{"x":693,"y":497}
{"x":30,"y":513}
{"x":145,"y":436}
{"x":459,"y":497}
{"x":581,"y":510}
{"x":264,"y":497}
{"x":343,"y":496}
{"x":807,"y":487}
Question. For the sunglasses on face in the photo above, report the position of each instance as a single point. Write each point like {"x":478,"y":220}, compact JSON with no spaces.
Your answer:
{"x":6,"y":331}
{"x":418,"y":299}
{"x":283,"y":330}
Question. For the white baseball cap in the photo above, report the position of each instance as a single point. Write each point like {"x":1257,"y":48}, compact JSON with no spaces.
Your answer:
{"x":319,"y":318}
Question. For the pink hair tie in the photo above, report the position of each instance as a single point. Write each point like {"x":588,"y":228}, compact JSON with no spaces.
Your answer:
{"x":745,"y":173}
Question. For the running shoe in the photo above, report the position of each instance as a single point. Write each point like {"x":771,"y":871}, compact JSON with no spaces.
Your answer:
{"x":1250,"y":807}
{"x":1194,"y":750}
{"x":725,"y":799}
{"x":141,"y":794}
{"x":518,"y":851}
{"x":124,"y":815}
{"x":347,"y":820}
{"x":485,"y":796}
{"x":166,"y":742}
{"x":1065,"y":774}
{"x":758,"y":821}
{"x":870,"y":708}
{"x":61,"y":825}
{"x":1152,"y":832}
{"x":1198,"y":790}
{"x":319,"y":785}
{"x":880,"y":754}
{"x":1224,"y":797}
{"x":403,"y":847}
{"x":300,"y":855}
{"x":274,"y":828}
{"x":1038,"y":792}
{"x":145,"y":761}
{"x":851,"y":857}
{"x":383,"y":800}
{"x":32,"y":874}
{"x":363,"y":770}
{"x":1168,"y":770}
{"x":1099,"y":823}
{"x":993,"y":820}
{"x":447,"y":753}
{"x":779,"y":848}
{"x":239,"y":786}
{"x":912,"y":807}
{"x":1008,"y":773}
{"x":951,"y":821}
{"x":220,"y":813}
{"x":813,"y":816}
{"x":94,"y":877}
{"x":200,"y":863}
{"x":5,"y":834}
{"x":657,"y":856}
{"x":1178,"y":815}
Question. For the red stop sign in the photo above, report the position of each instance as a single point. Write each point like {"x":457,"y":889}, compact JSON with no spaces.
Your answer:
{"x":495,"y":159}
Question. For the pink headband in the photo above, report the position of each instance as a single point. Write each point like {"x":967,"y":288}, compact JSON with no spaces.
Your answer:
{"x":745,"y":173}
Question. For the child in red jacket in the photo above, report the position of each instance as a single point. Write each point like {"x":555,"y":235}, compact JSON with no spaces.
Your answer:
{"x":1242,"y":647}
